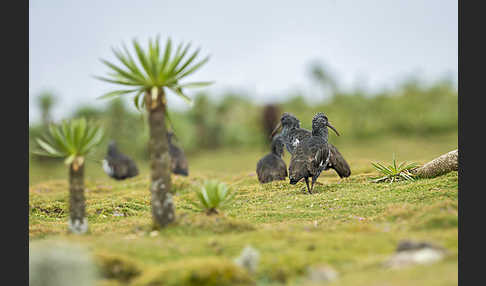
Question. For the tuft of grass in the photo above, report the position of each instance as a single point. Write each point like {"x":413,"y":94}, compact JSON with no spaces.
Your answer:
{"x":116,"y":267}
{"x":213,"y":195}
{"x":393,"y":172}
{"x":198,"y":271}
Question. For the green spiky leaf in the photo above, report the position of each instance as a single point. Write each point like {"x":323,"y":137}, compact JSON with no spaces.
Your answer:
{"x":394,"y":172}
{"x":70,"y":139}
{"x":157,"y":70}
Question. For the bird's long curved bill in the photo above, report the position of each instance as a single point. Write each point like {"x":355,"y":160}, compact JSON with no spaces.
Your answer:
{"x":333,"y":129}
{"x":276,"y":129}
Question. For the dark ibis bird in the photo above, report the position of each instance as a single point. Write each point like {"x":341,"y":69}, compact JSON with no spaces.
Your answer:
{"x":271,"y":167}
{"x":293,"y":135}
{"x":312,"y":154}
{"x":118,"y":165}
{"x":270,"y":118}
{"x":178,"y":159}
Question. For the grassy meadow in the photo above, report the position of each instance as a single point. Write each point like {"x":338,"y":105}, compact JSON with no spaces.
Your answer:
{"x":352,"y":225}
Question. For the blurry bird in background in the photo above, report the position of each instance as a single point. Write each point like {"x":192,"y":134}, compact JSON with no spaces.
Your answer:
{"x":271,"y":167}
{"x":178,"y":159}
{"x":118,"y":165}
{"x":270,"y":118}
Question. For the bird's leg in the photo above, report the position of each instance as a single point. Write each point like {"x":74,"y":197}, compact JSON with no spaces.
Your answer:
{"x":307,"y":183}
{"x":313,"y":181}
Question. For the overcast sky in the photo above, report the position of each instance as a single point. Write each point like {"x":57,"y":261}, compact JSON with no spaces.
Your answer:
{"x":263,"y":47}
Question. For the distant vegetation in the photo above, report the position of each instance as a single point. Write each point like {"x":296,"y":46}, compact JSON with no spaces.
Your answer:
{"x":411,"y":109}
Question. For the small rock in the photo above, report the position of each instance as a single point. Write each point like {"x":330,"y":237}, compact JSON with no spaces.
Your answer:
{"x":248,"y":259}
{"x":322,"y":273}
{"x":115,"y":213}
{"x":406,"y":245}
{"x":154,"y":233}
{"x":411,"y":252}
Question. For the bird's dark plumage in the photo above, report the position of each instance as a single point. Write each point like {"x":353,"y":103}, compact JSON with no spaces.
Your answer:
{"x":270,"y":118}
{"x":337,"y":163}
{"x":293,"y":135}
{"x":271,"y":167}
{"x":312,"y":155}
{"x":117,"y":165}
{"x":178,"y":159}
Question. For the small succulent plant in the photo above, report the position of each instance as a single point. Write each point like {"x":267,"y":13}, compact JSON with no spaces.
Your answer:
{"x":393,"y":172}
{"x":213,"y":195}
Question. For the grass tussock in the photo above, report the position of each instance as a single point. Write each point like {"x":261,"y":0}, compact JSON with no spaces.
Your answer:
{"x":199,"y":271}
{"x":117,"y":267}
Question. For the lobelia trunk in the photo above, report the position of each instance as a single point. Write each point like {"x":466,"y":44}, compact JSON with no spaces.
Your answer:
{"x":439,"y":166}
{"x":162,"y":204}
{"x":77,"y":207}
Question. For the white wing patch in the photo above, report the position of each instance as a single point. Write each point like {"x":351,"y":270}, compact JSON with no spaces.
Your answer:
{"x":296,"y":142}
{"x":107,"y":168}
{"x":324,"y":163}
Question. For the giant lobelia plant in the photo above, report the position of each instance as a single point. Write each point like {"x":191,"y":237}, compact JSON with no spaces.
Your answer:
{"x":72,"y":140}
{"x":149,"y":75}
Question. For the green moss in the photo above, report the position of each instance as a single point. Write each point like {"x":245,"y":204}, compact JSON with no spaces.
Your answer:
{"x":199,"y":271}
{"x":116,"y":267}
{"x":109,"y":282}
{"x":352,"y":225}
{"x":439,"y":221}
{"x":54,"y":209}
{"x":219,"y":223}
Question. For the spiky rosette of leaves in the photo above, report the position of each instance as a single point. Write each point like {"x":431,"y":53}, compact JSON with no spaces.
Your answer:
{"x":213,"y":195}
{"x":394,"y":172}
{"x":72,"y":140}
{"x":153,"y":70}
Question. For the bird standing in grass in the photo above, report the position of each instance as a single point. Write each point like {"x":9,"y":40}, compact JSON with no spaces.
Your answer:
{"x":293,"y":135}
{"x":272,"y":167}
{"x":312,"y":155}
{"x":178,"y":159}
{"x":118,"y":165}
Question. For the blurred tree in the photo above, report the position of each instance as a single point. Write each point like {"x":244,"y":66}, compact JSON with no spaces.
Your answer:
{"x":159,"y":73}
{"x":46,"y":101}
{"x":239,"y":120}
{"x":320,"y":74}
{"x":73,"y":140}
{"x":201,"y":118}
{"x":89,"y":112}
{"x":117,"y":115}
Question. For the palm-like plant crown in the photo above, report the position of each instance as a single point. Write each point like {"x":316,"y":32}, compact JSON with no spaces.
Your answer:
{"x":72,"y":140}
{"x":214,"y":194}
{"x":154,"y":70}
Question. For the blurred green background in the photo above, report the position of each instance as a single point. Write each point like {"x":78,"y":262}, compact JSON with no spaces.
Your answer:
{"x":412,"y":110}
